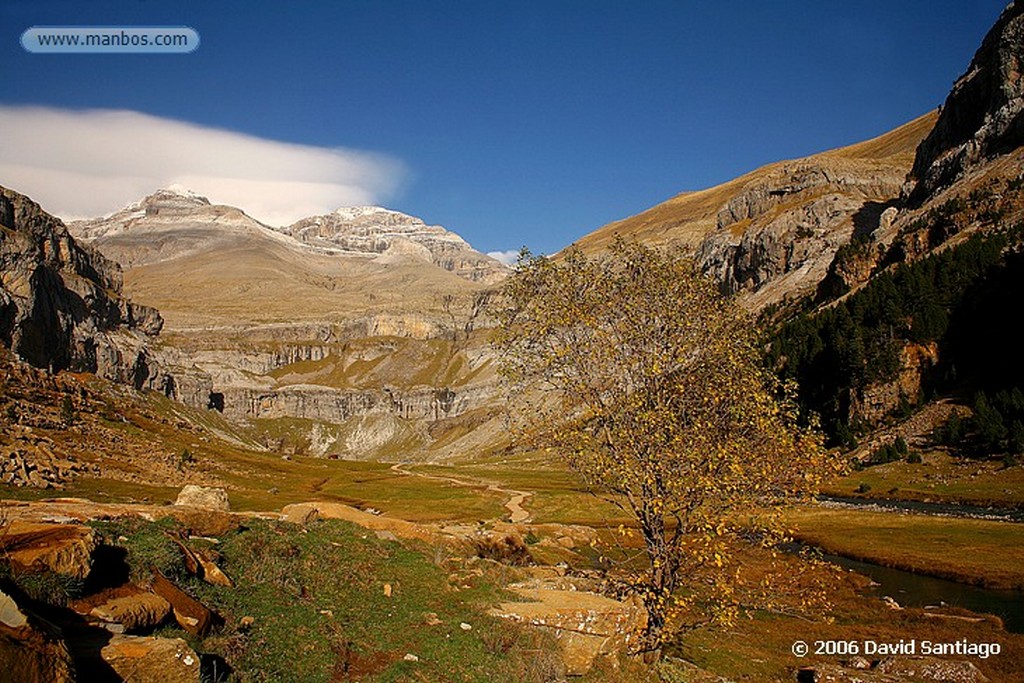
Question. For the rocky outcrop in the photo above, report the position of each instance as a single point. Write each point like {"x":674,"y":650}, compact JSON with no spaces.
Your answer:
{"x":152,"y":660}
{"x":783,"y":230}
{"x":206,"y":498}
{"x":60,"y":302}
{"x":393,"y":235}
{"x":983,"y":116}
{"x":872,"y":403}
{"x":131,"y":609}
{"x":59,"y":548}
{"x":31,"y":650}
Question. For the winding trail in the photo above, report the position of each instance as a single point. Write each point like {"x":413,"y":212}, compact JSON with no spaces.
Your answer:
{"x":517,"y":513}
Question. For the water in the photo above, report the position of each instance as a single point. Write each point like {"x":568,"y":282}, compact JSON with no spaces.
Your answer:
{"x":938,"y":509}
{"x":916,"y":590}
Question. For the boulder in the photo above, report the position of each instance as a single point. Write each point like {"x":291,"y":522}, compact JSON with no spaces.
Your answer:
{"x":30,"y":650}
{"x":586,"y":625}
{"x":59,"y":548}
{"x":207,"y":498}
{"x":135,"y":611}
{"x":152,"y":660}
{"x":931,"y":668}
{"x":190,"y":614}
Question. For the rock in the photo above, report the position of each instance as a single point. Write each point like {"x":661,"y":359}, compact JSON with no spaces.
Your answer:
{"x":409,"y":657}
{"x":59,"y":548}
{"x":931,"y":669}
{"x":891,"y":603}
{"x":31,"y":651}
{"x":781,"y":231}
{"x":396,"y":236}
{"x":200,"y":564}
{"x":135,"y":611}
{"x":152,"y":660}
{"x":586,"y":625}
{"x":207,"y":498}
{"x":200,"y":522}
{"x":859,"y":663}
{"x":10,"y":614}
{"x":302,"y":515}
{"x":466,"y":627}
{"x":190,"y":614}
{"x":983,"y":115}
{"x":61,"y":305}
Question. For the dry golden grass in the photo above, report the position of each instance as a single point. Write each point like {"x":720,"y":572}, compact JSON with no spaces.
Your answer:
{"x":686,"y":218}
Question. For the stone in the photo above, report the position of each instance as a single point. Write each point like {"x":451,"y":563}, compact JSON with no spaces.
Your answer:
{"x":200,"y":564}
{"x":302,"y":515}
{"x":200,"y":522}
{"x":59,"y":290}
{"x":59,"y":548}
{"x":207,"y":498}
{"x":30,"y":650}
{"x":10,"y":614}
{"x":931,"y":668}
{"x":983,"y":115}
{"x":136,"y":611}
{"x":585,"y":625}
{"x":466,"y":627}
{"x":152,"y":660}
{"x":410,"y":657}
{"x":190,"y":614}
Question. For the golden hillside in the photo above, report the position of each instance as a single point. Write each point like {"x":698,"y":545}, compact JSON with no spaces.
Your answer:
{"x":690,"y":216}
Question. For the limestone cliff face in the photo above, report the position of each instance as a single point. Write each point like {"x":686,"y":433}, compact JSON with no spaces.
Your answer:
{"x":391,"y":234}
{"x":983,"y":116}
{"x":777,"y":236}
{"x":60,"y":302}
{"x":772,"y":234}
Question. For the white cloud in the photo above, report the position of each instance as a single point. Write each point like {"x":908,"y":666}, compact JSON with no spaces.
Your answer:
{"x":88,"y":163}
{"x":509,"y":258}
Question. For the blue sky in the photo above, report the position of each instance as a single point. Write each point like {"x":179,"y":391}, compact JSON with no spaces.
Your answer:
{"x":512,"y":123}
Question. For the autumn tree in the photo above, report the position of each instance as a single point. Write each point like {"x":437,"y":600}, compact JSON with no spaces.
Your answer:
{"x":649,"y":384}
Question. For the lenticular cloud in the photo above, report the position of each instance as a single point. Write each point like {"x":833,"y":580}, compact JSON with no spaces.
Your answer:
{"x":90,"y":163}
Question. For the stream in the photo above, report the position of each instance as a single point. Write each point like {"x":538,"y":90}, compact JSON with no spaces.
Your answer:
{"x":937,"y":509}
{"x":916,"y":590}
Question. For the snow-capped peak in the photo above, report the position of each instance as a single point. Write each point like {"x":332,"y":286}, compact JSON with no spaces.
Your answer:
{"x":352,"y":212}
{"x":182,"y":191}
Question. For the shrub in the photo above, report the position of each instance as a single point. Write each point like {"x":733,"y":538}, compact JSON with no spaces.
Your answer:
{"x":508,"y":549}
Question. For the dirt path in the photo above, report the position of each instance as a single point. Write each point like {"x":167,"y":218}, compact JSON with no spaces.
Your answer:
{"x":517,"y":513}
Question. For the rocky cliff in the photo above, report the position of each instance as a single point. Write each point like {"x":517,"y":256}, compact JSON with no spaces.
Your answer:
{"x":772,"y":234}
{"x":337,"y":334}
{"x":391,"y":234}
{"x":983,"y":116}
{"x":61,"y":305}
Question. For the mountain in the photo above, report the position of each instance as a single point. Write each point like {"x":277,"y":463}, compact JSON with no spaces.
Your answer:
{"x":771,"y":234}
{"x":375,"y":230}
{"x":887,"y":268}
{"x":350,"y":333}
{"x":61,"y":304}
{"x":206,"y":264}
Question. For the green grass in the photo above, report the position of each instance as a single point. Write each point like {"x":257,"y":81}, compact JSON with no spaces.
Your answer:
{"x":975,"y":551}
{"x":558,"y":495}
{"x":939,"y":478}
{"x":317,"y":598}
